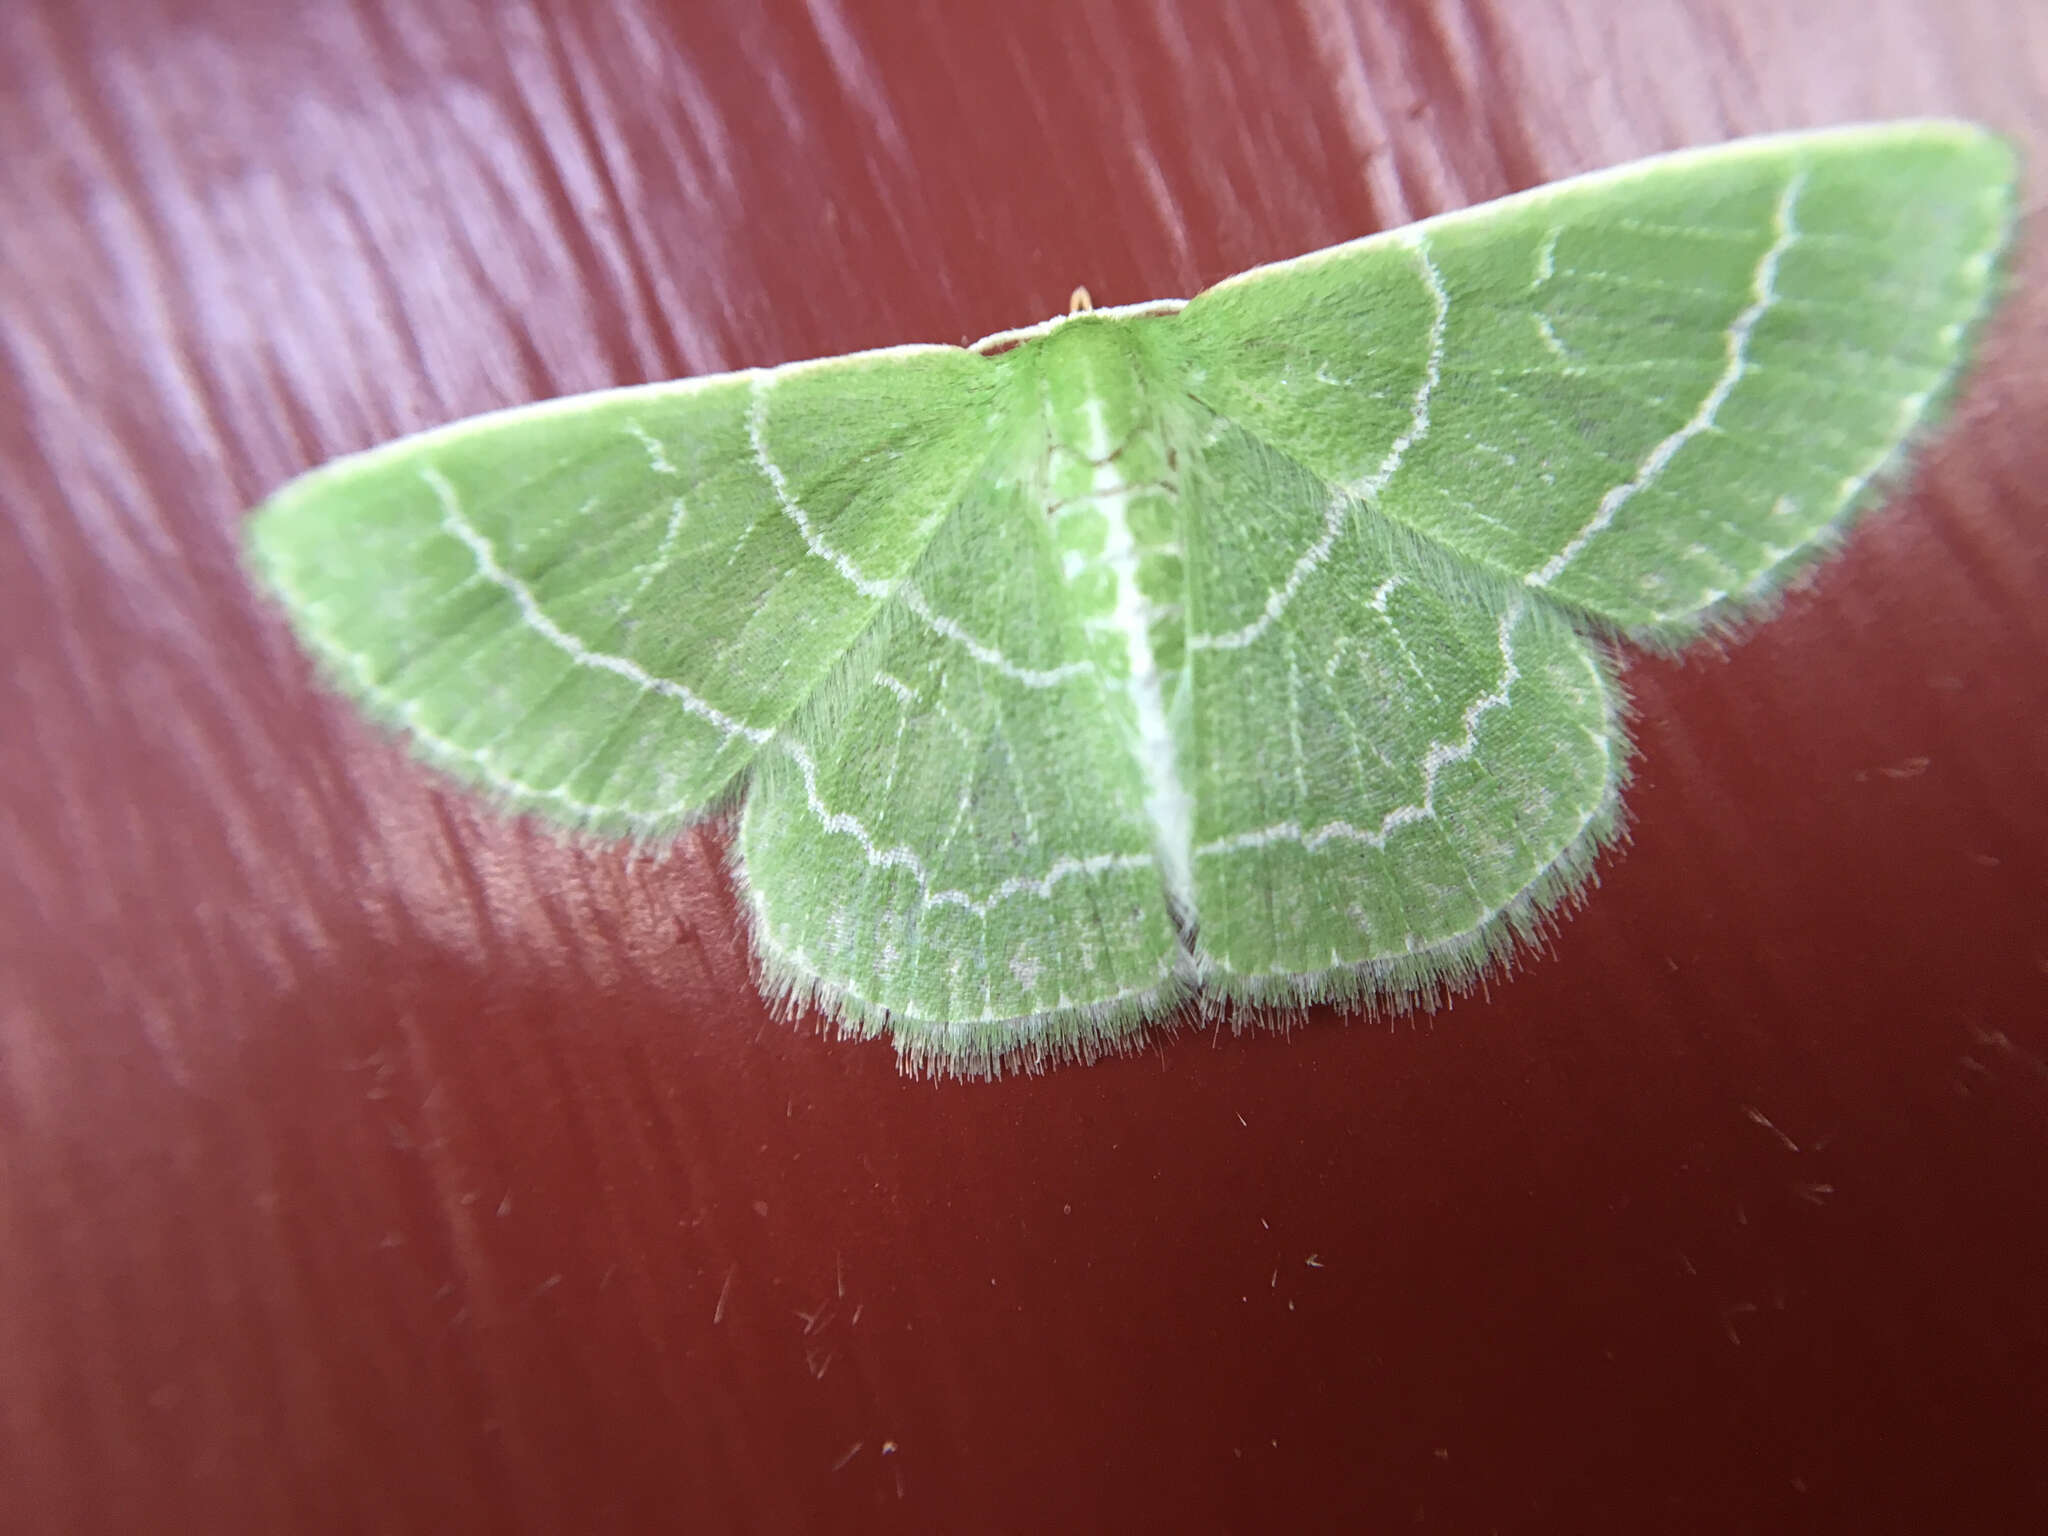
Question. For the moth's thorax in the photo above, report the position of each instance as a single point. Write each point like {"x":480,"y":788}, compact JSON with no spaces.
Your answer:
{"x":1109,"y":477}
{"x":1112,"y":495}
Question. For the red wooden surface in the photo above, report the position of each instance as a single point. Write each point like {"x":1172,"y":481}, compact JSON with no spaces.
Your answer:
{"x":370,"y":1162}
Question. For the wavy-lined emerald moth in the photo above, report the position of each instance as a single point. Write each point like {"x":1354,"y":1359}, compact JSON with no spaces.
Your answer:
{"x":1243,"y":649}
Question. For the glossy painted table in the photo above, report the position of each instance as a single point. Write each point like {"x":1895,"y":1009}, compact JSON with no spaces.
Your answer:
{"x":370,"y":1162}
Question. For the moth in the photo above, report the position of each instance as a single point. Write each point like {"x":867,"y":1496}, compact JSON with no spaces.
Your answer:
{"x":1245,"y":650}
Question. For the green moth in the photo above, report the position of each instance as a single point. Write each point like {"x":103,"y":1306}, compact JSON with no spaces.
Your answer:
{"x":1243,"y":650}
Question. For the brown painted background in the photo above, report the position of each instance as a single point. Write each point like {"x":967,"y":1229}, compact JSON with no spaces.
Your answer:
{"x":369,"y":1162}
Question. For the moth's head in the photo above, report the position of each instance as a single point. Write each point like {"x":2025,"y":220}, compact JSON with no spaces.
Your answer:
{"x":1081,"y":312}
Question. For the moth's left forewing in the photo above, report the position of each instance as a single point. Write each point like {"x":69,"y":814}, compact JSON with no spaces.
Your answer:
{"x":601,"y":608}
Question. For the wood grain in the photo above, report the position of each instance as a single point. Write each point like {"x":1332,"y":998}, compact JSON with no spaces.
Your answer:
{"x":370,"y":1162}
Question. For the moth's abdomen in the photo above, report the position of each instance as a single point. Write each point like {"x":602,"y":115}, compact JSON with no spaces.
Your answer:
{"x":1113,"y":499}
{"x":1116,"y":525}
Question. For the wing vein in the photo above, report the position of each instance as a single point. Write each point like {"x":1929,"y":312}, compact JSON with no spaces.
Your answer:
{"x":1763,"y":294}
{"x":1366,"y":490}
{"x":1440,"y":755}
{"x":536,"y":618}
